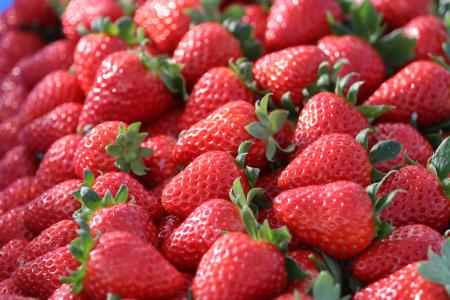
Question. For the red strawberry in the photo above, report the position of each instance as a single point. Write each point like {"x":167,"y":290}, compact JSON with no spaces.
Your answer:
{"x":294,"y":296}
{"x":13,"y":95}
{"x":12,"y":226}
{"x":9,"y":129}
{"x":57,"y":235}
{"x":9,"y":254}
{"x":405,"y":245}
{"x":213,"y":46}
{"x":215,"y":88}
{"x":338,"y":217}
{"x":269,"y":183}
{"x":255,"y":270}
{"x":53,"y":90}
{"x":57,"y":164}
{"x":16,"y":163}
{"x":18,"y":193}
{"x":38,"y":11}
{"x":288,"y":70}
{"x":256,"y":16}
{"x":304,"y":260}
{"x":213,"y":171}
{"x":8,"y":288}
{"x":430,"y":33}
{"x":169,"y":124}
{"x":42,"y":132}
{"x":165,"y":21}
{"x":89,"y":53}
{"x":189,"y":242}
{"x":126,"y":90}
{"x":166,"y":226}
{"x":81,"y":13}
{"x":422,"y":87}
{"x":52,"y":206}
{"x":64,"y":292}
{"x":41,"y":277}
{"x":292,"y":23}
{"x":15,"y":45}
{"x":362,"y":58}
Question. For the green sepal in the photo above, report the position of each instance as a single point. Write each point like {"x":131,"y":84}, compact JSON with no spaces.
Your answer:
{"x":233,"y":12}
{"x":294,"y":271}
{"x":287,"y":104}
{"x":243,"y":32}
{"x":434,"y":138}
{"x":446,"y":187}
{"x":363,"y":137}
{"x":251,"y":173}
{"x":440,"y":60}
{"x":123,"y":27}
{"x":371,"y":112}
{"x":440,"y":161}
{"x":376,"y":174}
{"x":443,"y":126}
{"x":354,"y":284}
{"x":325,"y":287}
{"x":384,"y":151}
{"x":59,"y":6}
{"x":128,"y":6}
{"x":208,"y":12}
{"x":243,"y":69}
{"x":82,"y":30}
{"x":409,"y":161}
{"x":128,"y":151}
{"x":395,"y":48}
{"x":437,"y":268}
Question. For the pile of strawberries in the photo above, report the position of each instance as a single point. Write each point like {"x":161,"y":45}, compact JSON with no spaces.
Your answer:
{"x":225,"y":150}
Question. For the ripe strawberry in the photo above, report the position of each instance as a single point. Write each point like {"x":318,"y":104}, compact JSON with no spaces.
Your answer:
{"x":362,"y":58}
{"x":64,"y":292}
{"x":13,"y":95}
{"x":269,"y":183}
{"x":337,"y":218}
{"x":213,"y":171}
{"x":18,"y":193}
{"x":8,"y":288}
{"x":224,"y":276}
{"x":126,"y":90}
{"x":41,"y":277}
{"x":189,"y":242}
{"x":57,"y":164}
{"x":169,"y":124}
{"x":430,"y":33}
{"x":53,"y":90}
{"x":215,"y":88}
{"x":81,"y":13}
{"x":52,"y":206}
{"x":16,"y":163}
{"x":42,"y":132}
{"x":304,"y":260}
{"x":57,"y":235}
{"x":405,"y":245}
{"x":213,"y":46}
{"x":8,"y":257}
{"x":9,"y":129}
{"x":38,"y":11}
{"x":12,"y":226}
{"x":288,"y":70}
{"x":292,"y":23}
{"x":15,"y":45}
{"x":422,"y":87}
{"x":165,"y":21}
{"x":166,"y":226}
{"x":414,"y":144}
{"x":256,"y":16}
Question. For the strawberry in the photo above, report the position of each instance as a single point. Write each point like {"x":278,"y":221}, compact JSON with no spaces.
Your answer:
{"x":8,"y":257}
{"x":13,"y":94}
{"x":292,"y":23}
{"x":304,"y":260}
{"x":288,"y":70}
{"x":165,"y":21}
{"x":9,"y":129}
{"x":64,"y":292}
{"x":294,"y":296}
{"x":405,"y":245}
{"x":8,"y":288}
{"x":189,"y":241}
{"x":256,"y":16}
{"x":16,"y":163}
{"x":214,"y":171}
{"x":166,"y":226}
{"x":57,"y":164}
{"x":430,"y":33}
{"x":79,"y":14}
{"x":52,"y":206}
{"x":12,"y":225}
{"x":53,"y":90}
{"x":168,"y":124}
{"x":15,"y":45}
{"x":36,"y":12}
{"x":40,"y":134}
{"x":41,"y":277}
{"x":18,"y":193}
{"x":422,"y":87}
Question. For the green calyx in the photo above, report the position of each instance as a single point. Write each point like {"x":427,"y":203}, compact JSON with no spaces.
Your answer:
{"x":439,"y":164}
{"x":250,"y":172}
{"x":326,"y":288}
{"x":128,"y":151}
{"x":167,"y":70}
{"x":445,"y":12}
{"x":437,"y":268}
{"x":267,"y":126}
{"x":59,"y":6}
{"x":231,"y":20}
{"x":395,"y":48}
{"x":128,"y":6}
{"x":243,"y":69}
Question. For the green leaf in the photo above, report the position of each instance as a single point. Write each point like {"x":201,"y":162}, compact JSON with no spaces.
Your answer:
{"x":352,"y":94}
{"x":446,"y":186}
{"x":396,"y":48}
{"x":325,"y":288}
{"x":435,"y":139}
{"x":277,"y":119}
{"x":437,"y":268}
{"x":243,"y":32}
{"x":234,"y":12}
{"x":271,"y":149}
{"x":384,"y":151}
{"x":88,"y":177}
{"x":441,"y":159}
{"x":374,"y":111}
{"x":363,"y":137}
{"x":257,"y":131}
{"x":295,"y":272}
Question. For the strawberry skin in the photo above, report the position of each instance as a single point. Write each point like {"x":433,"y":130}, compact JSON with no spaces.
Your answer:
{"x":256,"y":16}
{"x":168,"y":124}
{"x":40,"y":134}
{"x":166,"y":226}
{"x":53,"y":90}
{"x":8,"y":257}
{"x":9,"y":129}
{"x":292,"y":296}
{"x":255,"y":270}
{"x":12,"y":226}
{"x":165,"y":21}
{"x":16,"y":163}
{"x":288,"y":70}
{"x":422,"y":87}
{"x":405,"y":245}
{"x":363,"y":60}
{"x":213,"y":46}
{"x":422,"y":202}
{"x":336,"y":217}
{"x":38,"y":11}
{"x":13,"y":95}
{"x":125,"y":90}
{"x":213,"y":171}
{"x":89,"y":53}
{"x":127,"y":266}
{"x":327,"y":113}
{"x":430,"y":33}
{"x":64,"y":292}
{"x":303,"y":258}
{"x":330,"y":158}
{"x":292,"y":23}
{"x":405,"y":284}
{"x":215,"y":88}
{"x":8,"y":288}
{"x":18,"y":193}
{"x":189,"y":242}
